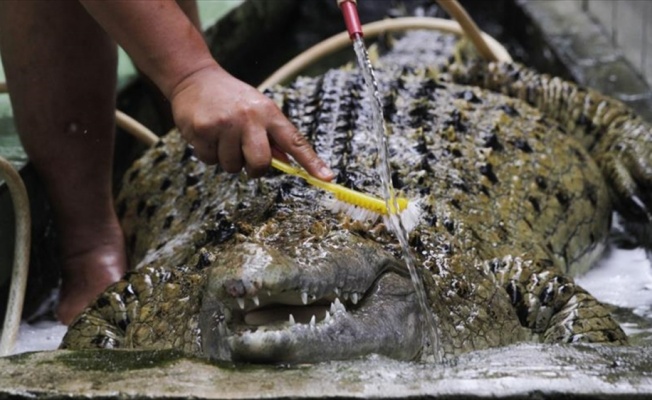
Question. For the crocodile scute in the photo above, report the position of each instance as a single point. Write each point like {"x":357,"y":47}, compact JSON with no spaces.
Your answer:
{"x":517,"y":188}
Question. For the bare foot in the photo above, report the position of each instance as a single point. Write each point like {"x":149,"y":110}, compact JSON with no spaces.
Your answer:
{"x":86,"y":272}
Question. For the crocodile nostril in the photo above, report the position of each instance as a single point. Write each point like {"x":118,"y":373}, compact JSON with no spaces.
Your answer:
{"x":235,"y":288}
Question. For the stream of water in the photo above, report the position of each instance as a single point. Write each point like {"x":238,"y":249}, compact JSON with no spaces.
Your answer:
{"x":395,"y":224}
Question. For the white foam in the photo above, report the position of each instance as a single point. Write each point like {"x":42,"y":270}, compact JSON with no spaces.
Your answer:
{"x":39,"y":337}
{"x":623,"y":278}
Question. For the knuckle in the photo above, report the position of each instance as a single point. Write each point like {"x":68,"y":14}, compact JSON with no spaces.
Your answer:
{"x":201,"y":127}
{"x":208,"y":126}
{"x":298,"y":140}
{"x":269,"y":107}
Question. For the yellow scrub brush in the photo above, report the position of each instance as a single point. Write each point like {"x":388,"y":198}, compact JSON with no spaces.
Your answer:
{"x":358,"y":206}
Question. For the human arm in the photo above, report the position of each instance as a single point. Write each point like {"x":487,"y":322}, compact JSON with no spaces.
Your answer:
{"x":226,"y":120}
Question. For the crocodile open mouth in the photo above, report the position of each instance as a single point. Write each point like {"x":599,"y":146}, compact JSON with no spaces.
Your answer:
{"x":282,"y":311}
{"x":293,"y":326}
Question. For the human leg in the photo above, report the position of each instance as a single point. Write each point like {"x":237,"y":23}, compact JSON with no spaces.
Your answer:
{"x":60,"y":68}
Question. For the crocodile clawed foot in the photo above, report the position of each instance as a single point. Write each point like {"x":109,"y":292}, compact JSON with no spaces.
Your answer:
{"x":628,"y":170}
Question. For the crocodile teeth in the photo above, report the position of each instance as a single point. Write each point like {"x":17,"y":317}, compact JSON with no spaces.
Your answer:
{"x":313,"y":321}
{"x":337,"y":306}
{"x":241,"y":302}
{"x":291,"y":320}
{"x":304,"y":298}
{"x":337,"y":291}
{"x":345,"y":295}
{"x":256,"y":301}
{"x":221,"y":328}
{"x":327,"y":317}
{"x":354,"y":298}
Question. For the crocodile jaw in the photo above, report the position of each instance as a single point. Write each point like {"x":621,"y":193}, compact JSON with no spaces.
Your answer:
{"x":385,"y":321}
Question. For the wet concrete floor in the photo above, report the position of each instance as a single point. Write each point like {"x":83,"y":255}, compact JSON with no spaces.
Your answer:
{"x":522,"y":371}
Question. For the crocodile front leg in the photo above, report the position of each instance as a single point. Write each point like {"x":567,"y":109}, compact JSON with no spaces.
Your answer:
{"x":552,"y":305}
{"x":150,"y":308}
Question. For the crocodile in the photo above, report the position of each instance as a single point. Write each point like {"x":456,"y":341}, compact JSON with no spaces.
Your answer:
{"x":517,"y":174}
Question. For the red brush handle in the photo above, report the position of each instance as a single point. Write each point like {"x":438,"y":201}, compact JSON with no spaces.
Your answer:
{"x":351,"y":19}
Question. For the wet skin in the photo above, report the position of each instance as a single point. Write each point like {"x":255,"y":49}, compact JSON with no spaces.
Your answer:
{"x":513,"y":204}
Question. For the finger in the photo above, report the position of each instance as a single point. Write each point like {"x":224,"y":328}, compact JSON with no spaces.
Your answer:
{"x":289,"y":140}
{"x":229,"y":152}
{"x":256,"y":151}
{"x":279,"y":154}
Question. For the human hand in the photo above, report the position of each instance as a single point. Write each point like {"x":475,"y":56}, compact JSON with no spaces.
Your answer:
{"x":231,"y":123}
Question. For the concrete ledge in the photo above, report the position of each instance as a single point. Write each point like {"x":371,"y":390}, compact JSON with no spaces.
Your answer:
{"x":521,"y":371}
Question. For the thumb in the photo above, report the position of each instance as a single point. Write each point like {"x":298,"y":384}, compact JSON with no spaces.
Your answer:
{"x":289,"y":140}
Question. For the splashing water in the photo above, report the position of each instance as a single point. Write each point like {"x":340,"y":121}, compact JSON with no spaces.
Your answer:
{"x":394,"y":221}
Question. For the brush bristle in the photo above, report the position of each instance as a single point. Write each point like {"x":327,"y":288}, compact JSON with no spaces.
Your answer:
{"x":355,"y":212}
{"x":410,"y":217}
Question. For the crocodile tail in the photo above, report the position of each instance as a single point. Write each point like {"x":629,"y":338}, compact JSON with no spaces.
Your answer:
{"x":618,"y":139}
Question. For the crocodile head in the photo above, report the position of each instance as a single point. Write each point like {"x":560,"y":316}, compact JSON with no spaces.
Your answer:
{"x":299,"y":288}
